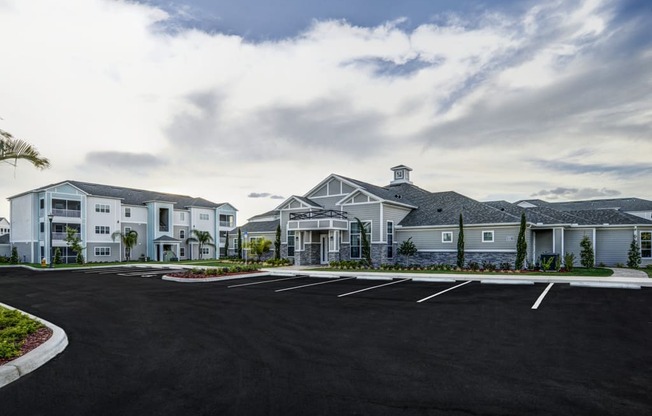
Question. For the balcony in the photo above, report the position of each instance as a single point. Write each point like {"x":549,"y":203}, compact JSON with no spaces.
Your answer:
{"x":319,"y":220}
{"x":62,"y":236}
{"x":227,"y":224}
{"x":68,"y":213}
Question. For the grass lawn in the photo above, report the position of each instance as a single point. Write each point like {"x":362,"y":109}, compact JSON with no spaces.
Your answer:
{"x":647,"y":270}
{"x":15,"y":327}
{"x":207,"y":263}
{"x":578,"y":271}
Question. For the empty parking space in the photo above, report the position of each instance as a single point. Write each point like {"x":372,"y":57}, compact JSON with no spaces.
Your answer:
{"x":129,"y":271}
{"x":475,"y":349}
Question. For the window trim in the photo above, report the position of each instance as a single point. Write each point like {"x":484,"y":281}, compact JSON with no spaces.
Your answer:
{"x":646,"y":240}
{"x":103,"y":208}
{"x":493,"y":237}
{"x":98,"y":251}
{"x":100,"y":228}
{"x":444,"y":241}
{"x":351,"y":234}
{"x":390,"y":244}
{"x":292,"y":245}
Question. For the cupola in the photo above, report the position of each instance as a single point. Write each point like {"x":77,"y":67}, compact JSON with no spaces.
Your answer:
{"x":401,"y":175}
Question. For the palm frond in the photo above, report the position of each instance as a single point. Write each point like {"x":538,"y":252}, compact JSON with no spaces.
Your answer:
{"x":11,"y":150}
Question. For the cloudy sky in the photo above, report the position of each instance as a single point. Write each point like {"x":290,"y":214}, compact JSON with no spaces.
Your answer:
{"x":251,"y":101}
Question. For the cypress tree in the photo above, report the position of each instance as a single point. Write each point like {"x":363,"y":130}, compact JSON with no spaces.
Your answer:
{"x":239,"y":249}
{"x":226,"y":245}
{"x":277,"y":243}
{"x":460,"y":244}
{"x":521,"y":245}
{"x":634,"y":254}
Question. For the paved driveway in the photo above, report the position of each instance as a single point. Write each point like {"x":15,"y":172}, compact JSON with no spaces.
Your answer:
{"x":297,"y":347}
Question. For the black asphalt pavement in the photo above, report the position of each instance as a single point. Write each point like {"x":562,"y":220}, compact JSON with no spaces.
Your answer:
{"x":144,"y":346}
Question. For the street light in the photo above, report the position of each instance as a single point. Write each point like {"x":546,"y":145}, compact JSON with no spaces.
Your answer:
{"x":50,"y":218}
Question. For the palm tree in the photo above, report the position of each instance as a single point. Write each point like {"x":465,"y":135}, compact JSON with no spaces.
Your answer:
{"x":12,"y":149}
{"x":203,"y":238}
{"x":129,"y":240}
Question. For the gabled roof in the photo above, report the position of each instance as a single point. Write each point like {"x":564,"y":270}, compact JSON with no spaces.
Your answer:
{"x":302,"y":199}
{"x":167,"y":239}
{"x":271,"y":214}
{"x":387,"y":194}
{"x":4,"y":239}
{"x":132,"y":196}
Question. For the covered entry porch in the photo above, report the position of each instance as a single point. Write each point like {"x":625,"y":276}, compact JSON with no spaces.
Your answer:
{"x":167,"y":248}
{"x":318,"y":236}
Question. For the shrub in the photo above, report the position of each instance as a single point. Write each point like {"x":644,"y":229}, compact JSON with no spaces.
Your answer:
{"x":569,"y":261}
{"x":14,"y":328}
{"x":57,"y":255}
{"x":634,"y":254}
{"x":586,"y":255}
{"x":506,"y":265}
{"x":14,"y":256}
{"x":487,"y":265}
{"x":474,"y":266}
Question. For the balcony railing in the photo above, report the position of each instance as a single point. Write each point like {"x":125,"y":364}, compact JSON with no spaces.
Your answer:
{"x":69,"y":213}
{"x":228,"y":224}
{"x":62,"y":236}
{"x":324,"y":213}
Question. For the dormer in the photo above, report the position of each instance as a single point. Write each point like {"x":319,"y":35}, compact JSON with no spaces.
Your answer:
{"x":401,"y":175}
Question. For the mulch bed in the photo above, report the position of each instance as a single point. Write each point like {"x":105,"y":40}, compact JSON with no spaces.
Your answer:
{"x":204,"y":276}
{"x":32,"y":341}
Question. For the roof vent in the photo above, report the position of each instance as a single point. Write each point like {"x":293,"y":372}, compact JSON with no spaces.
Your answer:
{"x":439,"y":210}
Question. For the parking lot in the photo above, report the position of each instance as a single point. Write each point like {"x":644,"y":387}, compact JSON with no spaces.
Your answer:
{"x":347,"y":346}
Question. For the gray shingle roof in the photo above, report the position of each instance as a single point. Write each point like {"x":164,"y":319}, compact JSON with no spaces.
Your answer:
{"x":444,"y":208}
{"x":386,"y":193}
{"x":131,"y":196}
{"x":4,"y":239}
{"x":307,"y":201}
{"x":623,"y":204}
{"x":258,"y":227}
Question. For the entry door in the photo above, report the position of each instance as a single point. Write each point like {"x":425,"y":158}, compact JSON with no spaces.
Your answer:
{"x":323,"y":249}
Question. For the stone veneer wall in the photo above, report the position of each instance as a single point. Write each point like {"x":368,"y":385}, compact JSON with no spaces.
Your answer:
{"x":429,"y":258}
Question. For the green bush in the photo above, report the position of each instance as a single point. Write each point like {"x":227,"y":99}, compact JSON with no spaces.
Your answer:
{"x":569,"y":261}
{"x":14,"y":328}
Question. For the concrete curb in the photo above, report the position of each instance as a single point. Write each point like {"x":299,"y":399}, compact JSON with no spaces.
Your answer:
{"x":13,"y":370}
{"x":503,"y":278}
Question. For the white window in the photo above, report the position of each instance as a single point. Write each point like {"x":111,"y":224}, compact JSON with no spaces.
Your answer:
{"x":102,"y":251}
{"x":446,"y":236}
{"x":203,"y":217}
{"x":205,"y":250}
{"x":290,"y":243}
{"x":127,"y":230}
{"x":102,"y":229}
{"x":356,"y":238}
{"x":182,"y":252}
{"x":646,"y":244}
{"x":102,"y":208}
{"x":488,"y":236}
{"x":182,"y":234}
{"x":127,"y":212}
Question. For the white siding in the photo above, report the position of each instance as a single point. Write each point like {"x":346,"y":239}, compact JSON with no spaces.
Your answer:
{"x":110,"y":219}
{"x":23,"y":218}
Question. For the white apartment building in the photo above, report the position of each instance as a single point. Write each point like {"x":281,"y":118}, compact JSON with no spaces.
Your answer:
{"x":163,"y":222}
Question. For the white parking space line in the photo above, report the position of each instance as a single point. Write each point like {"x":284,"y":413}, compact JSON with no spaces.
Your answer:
{"x":314,"y":284}
{"x":267,"y":281}
{"x":444,"y":291}
{"x":373,"y":287}
{"x":543,"y":295}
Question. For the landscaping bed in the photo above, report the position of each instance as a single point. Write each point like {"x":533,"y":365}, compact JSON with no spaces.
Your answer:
{"x":198,"y":273}
{"x":19,"y":334}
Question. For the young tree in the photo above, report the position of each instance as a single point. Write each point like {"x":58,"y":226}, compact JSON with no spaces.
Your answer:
{"x":460,"y":244}
{"x":586,"y":255}
{"x":74,"y":242}
{"x":407,"y":249}
{"x":202,"y":238}
{"x":239,"y":248}
{"x":259,"y":247}
{"x":226,"y":245}
{"x":12,"y":150}
{"x":277,"y":243}
{"x":129,"y":240}
{"x":634,"y":254}
{"x":14,"y":256}
{"x":366,"y":248}
{"x":57,"y":255}
{"x":521,"y":245}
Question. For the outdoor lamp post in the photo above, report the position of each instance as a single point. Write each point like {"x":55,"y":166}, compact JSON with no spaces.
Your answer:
{"x":50,"y":218}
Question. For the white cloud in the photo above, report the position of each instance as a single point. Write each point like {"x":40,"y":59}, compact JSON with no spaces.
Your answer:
{"x":214,"y":115}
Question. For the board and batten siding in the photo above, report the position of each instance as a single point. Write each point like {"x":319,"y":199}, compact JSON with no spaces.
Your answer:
{"x":612,"y":246}
{"x":366,"y":212}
